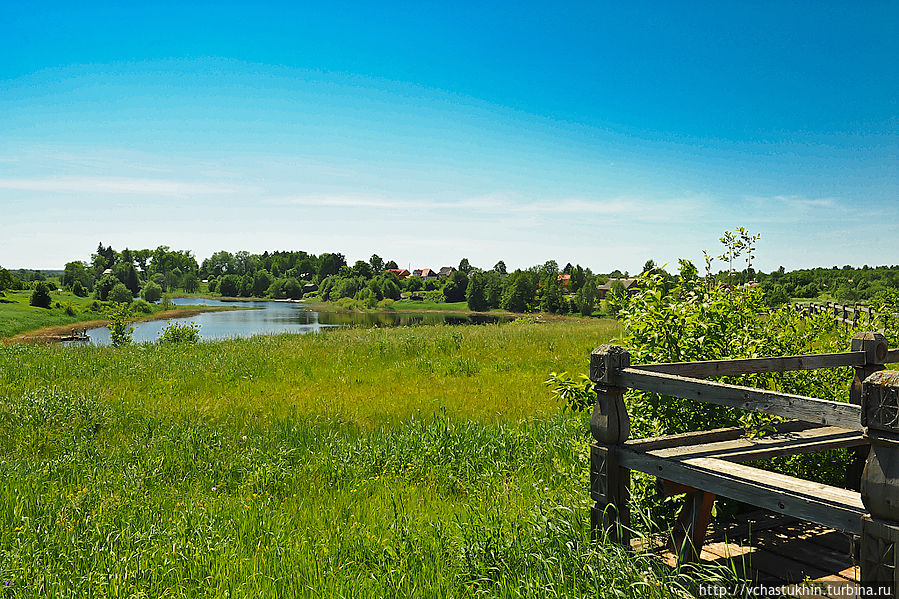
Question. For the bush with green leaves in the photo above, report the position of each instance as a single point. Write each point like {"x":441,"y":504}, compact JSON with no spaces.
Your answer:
{"x":120,"y":326}
{"x":40,"y":297}
{"x":121,"y":294}
{"x":151,"y":292}
{"x":179,"y":332}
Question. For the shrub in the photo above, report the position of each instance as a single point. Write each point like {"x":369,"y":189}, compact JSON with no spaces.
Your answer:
{"x":178,"y":332}
{"x":79,"y":289}
{"x":141,"y":306}
{"x":40,"y":297}
{"x":121,"y":294}
{"x":120,"y":329}
{"x":151,"y":292}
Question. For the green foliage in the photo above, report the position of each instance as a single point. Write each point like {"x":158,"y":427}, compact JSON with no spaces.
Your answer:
{"x":104,"y":286}
{"x":576,"y":393}
{"x":141,"y":306}
{"x":229,"y":285}
{"x":476,"y":294}
{"x":120,"y":327}
{"x":152,"y":292}
{"x":518,"y":292}
{"x":179,"y":332}
{"x":78,"y":289}
{"x":120,"y":293}
{"x":190,"y":283}
{"x":40,"y":297}
{"x":456,"y":286}
{"x":585,"y":299}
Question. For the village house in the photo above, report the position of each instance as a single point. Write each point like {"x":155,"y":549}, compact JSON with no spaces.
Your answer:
{"x":425,"y":273}
{"x":401,"y":273}
{"x":446,"y":271}
{"x":628,"y":285}
{"x":564,"y":278}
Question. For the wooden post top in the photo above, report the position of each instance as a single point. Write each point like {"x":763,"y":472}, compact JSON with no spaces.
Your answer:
{"x":606,"y":360}
{"x":874,"y":345}
{"x":880,"y":404}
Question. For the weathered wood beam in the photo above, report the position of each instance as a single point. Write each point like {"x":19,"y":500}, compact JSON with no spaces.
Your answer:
{"x":746,"y":449}
{"x":709,"y":368}
{"x":830,"y":506}
{"x":807,"y":409}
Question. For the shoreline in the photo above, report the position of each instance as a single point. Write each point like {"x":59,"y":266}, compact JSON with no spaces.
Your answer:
{"x":54,"y":333}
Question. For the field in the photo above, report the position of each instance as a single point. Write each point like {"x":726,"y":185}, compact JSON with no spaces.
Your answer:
{"x":426,"y":462}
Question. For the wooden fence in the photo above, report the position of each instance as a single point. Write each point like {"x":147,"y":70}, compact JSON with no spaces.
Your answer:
{"x":851,"y":316}
{"x":709,"y":463}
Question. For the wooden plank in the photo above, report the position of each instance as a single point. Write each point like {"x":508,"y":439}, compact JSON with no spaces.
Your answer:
{"x":808,"y":409}
{"x":892,"y":356}
{"x":745,"y":449}
{"x":718,"y":434}
{"x":710,"y":436}
{"x":830,"y":506}
{"x":802,"y":550}
{"x":708,"y":368}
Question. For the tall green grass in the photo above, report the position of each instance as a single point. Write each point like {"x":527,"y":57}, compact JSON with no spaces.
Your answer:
{"x":424,"y":462}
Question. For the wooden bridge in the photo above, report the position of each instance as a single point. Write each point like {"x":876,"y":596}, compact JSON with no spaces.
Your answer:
{"x":705,"y":464}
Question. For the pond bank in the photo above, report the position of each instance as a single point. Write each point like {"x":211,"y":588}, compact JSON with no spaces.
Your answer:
{"x":54,"y":333}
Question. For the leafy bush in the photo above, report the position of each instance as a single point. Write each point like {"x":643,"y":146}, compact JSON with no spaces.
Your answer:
{"x":141,"y":306}
{"x":120,"y":293}
{"x":151,"y":292}
{"x":177,"y":332}
{"x":79,"y":289}
{"x":40,"y":297}
{"x":120,"y":329}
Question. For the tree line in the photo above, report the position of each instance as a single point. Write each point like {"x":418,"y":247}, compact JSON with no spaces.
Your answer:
{"x":121,"y":275}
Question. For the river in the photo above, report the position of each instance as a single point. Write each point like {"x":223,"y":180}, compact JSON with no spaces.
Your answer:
{"x":269,"y":318}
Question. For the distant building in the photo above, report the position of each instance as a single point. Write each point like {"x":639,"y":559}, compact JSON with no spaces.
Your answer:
{"x":628,"y":285}
{"x":446,"y":271}
{"x":108,"y":271}
{"x":310,"y":288}
{"x":401,"y":273}
{"x":425,"y":273}
{"x":564,"y":278}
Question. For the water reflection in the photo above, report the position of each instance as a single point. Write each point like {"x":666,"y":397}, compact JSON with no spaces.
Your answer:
{"x":286,"y":317}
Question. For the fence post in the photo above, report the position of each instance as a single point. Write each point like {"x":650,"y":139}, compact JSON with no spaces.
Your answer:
{"x":875,"y":347}
{"x":879,"y":551}
{"x":610,"y":426}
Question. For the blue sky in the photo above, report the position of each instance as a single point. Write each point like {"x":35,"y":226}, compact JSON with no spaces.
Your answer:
{"x":598,"y":133}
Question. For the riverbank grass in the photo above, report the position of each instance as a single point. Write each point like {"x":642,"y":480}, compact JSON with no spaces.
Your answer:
{"x":404,"y":462}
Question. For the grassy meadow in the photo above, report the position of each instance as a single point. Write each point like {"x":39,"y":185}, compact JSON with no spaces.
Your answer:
{"x":408,"y":462}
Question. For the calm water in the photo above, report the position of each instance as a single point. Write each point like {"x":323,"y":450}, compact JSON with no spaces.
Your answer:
{"x":267,"y":318}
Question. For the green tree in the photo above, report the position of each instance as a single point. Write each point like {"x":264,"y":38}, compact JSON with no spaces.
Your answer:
{"x":519,"y":292}
{"x":151,"y":292}
{"x":500,"y":267}
{"x":476,"y":293}
{"x":229,"y":286}
{"x":120,"y":327}
{"x":552,"y":300}
{"x":454,"y":290}
{"x":190,"y":283}
{"x":262,"y":280}
{"x":377,"y":264}
{"x":104,"y":286}
{"x":40,"y":297}
{"x":464,"y":265}
{"x":120,"y":293}
{"x":585,"y":299}
{"x":78,"y":289}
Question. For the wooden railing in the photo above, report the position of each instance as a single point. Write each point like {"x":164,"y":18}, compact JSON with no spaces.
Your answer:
{"x":851,"y":316}
{"x":709,"y":463}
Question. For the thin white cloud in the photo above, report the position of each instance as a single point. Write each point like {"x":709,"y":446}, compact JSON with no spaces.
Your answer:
{"x":129,"y":185}
{"x":492,"y":204}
